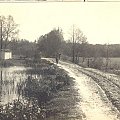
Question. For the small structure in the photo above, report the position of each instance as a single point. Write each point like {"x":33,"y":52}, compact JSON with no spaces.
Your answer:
{"x":5,"y":54}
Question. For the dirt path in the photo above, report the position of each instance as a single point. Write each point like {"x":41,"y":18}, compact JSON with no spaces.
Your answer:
{"x":94,"y":104}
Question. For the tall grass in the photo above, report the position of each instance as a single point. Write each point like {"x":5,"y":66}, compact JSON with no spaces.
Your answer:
{"x":41,"y":90}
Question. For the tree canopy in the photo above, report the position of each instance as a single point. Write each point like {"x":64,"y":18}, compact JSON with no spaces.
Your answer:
{"x":8,"y":30}
{"x":50,"y":44}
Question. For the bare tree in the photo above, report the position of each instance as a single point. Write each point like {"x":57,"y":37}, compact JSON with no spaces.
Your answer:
{"x":8,"y":30}
{"x":77,"y":38}
{"x":107,"y":56}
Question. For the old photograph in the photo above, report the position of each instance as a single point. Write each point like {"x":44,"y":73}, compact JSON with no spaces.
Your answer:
{"x":39,"y":1}
{"x":60,"y":61}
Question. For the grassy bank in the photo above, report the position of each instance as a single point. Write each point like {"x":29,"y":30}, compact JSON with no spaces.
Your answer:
{"x":49,"y":95}
{"x":12,"y":62}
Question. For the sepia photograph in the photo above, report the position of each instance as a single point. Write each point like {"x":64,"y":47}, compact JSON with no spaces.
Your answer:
{"x":60,"y":61}
{"x":39,"y":1}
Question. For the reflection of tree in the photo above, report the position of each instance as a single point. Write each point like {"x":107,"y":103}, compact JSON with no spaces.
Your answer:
{"x":1,"y":76}
{"x":0,"y":85}
{"x":9,"y":78}
{"x":5,"y":86}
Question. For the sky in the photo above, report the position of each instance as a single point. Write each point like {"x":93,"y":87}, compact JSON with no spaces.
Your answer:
{"x":99,"y":21}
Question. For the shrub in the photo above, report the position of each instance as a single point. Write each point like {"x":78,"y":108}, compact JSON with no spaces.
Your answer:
{"x":97,"y":63}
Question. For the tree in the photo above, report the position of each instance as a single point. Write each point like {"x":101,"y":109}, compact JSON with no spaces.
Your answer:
{"x":23,"y":48}
{"x":8,"y":30}
{"x":77,"y":38}
{"x":50,"y":43}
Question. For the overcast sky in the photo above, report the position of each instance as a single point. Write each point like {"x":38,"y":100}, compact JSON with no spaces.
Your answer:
{"x":100,"y":22}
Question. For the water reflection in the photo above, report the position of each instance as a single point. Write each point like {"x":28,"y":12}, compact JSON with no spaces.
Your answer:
{"x":9,"y":80}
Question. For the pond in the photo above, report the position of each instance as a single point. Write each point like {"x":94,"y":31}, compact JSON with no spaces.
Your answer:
{"x":10,"y":78}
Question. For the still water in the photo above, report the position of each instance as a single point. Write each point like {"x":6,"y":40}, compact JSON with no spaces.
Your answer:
{"x":9,"y":80}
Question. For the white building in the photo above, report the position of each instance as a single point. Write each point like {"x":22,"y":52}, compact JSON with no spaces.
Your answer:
{"x":5,"y":54}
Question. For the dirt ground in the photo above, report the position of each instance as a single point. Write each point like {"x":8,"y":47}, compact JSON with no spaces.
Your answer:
{"x":99,"y":92}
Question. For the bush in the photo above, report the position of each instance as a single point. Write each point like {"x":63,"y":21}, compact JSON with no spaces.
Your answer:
{"x":21,"y":110}
{"x":38,"y":93}
{"x":97,"y":63}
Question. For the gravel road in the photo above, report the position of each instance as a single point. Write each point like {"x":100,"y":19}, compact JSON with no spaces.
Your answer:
{"x":99,"y":92}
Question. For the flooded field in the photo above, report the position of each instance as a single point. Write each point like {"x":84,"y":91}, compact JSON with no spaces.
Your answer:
{"x":51,"y":91}
{"x":10,"y":78}
{"x":42,"y":92}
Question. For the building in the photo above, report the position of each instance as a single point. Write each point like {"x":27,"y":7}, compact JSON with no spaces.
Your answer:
{"x":5,"y":54}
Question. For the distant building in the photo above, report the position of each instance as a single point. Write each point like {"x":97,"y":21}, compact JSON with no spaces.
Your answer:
{"x":5,"y":54}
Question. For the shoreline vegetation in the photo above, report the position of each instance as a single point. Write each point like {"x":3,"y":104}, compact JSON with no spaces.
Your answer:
{"x":47,"y":94}
{"x":50,"y":95}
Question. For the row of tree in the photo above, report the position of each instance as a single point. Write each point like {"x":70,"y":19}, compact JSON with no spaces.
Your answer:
{"x":97,"y":50}
{"x":23,"y":48}
{"x":52,"y":43}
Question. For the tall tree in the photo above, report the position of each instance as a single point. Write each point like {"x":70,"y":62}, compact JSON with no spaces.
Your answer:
{"x":50,"y":43}
{"x":77,"y":38}
{"x":8,"y":30}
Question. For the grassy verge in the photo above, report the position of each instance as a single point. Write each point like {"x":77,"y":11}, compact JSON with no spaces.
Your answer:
{"x":50,"y":95}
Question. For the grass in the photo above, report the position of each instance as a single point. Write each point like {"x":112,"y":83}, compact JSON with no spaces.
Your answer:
{"x":11,"y":62}
{"x":49,"y":96}
{"x":100,"y":63}
{"x":21,"y":110}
